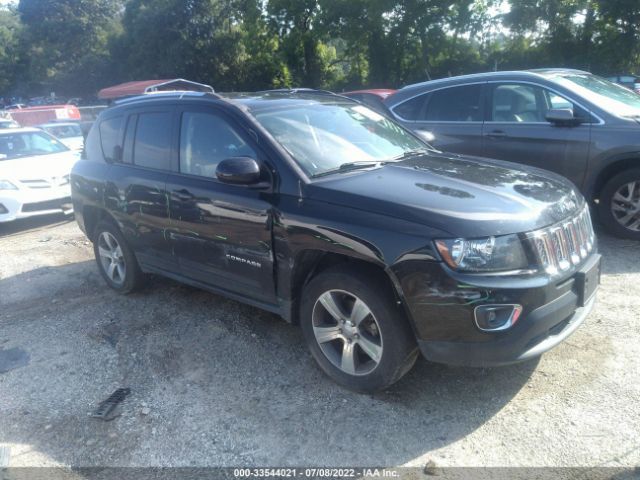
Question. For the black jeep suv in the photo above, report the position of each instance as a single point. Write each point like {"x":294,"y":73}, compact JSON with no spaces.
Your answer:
{"x":329,"y":214}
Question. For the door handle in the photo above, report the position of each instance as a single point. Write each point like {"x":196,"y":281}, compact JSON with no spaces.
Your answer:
{"x":496,"y":134}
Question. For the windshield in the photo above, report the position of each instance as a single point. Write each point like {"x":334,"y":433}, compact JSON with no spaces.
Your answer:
{"x":64,"y":131}
{"x":27,"y":144}
{"x":609,"y":96}
{"x":322,"y":137}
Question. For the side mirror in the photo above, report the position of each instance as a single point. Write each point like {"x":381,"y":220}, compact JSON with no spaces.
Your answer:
{"x":238,"y":171}
{"x":562,"y":116}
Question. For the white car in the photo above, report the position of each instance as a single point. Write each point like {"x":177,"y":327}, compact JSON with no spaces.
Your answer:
{"x":34,"y":174}
{"x":8,"y":123}
{"x":68,"y":133}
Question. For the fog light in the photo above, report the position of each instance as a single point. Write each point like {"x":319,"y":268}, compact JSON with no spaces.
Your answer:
{"x":3,"y":209}
{"x":493,"y":318}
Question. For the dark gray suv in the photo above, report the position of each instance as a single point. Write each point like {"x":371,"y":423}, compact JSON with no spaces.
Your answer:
{"x":568,"y":121}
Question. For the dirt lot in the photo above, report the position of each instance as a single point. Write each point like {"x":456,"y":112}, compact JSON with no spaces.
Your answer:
{"x":215,"y":382}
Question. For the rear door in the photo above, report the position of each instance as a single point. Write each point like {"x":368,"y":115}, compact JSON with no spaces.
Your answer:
{"x":220,"y":233}
{"x":136,"y":193}
{"x":516,"y":129}
{"x":449,"y":118}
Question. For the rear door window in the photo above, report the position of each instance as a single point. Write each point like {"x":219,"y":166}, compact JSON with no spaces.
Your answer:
{"x":152,"y":141}
{"x":455,"y":104}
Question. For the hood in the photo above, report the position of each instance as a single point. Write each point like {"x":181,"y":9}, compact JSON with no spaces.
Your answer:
{"x":39,"y":166}
{"x":464,"y":196}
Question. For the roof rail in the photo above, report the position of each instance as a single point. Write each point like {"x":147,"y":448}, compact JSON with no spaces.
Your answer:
{"x":300,"y":90}
{"x":163,"y":93}
{"x":165,"y":86}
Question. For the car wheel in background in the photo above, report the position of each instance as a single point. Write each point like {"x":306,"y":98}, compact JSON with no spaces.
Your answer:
{"x":355,"y":330}
{"x":619,"y":206}
{"x":116,"y":261}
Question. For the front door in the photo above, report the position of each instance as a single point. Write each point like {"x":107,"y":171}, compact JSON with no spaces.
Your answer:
{"x":516,"y":130}
{"x":220,"y":233}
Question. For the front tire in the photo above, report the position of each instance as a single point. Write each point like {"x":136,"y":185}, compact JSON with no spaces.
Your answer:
{"x":355,"y":331}
{"x":116,"y":261}
{"x":619,"y":207}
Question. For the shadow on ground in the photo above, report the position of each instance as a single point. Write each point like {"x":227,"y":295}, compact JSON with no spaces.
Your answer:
{"x":24,"y":225}
{"x":213,"y":382}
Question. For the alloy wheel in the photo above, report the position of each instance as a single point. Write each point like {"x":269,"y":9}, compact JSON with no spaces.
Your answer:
{"x":111,"y":258}
{"x":625,"y":206}
{"x":347,"y":332}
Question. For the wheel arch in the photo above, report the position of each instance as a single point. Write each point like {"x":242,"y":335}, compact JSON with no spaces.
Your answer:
{"x":92,"y":216}
{"x":310,"y":263}
{"x":618,"y":165}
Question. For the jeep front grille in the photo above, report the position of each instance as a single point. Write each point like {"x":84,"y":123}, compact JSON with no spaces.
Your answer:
{"x":564,"y":245}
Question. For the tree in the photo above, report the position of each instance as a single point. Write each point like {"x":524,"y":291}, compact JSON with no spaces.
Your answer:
{"x":66,"y":41}
{"x":10,"y":31}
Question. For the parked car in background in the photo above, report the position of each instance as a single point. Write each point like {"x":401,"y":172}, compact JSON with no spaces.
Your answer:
{"x":34,"y":174}
{"x":374,"y":97}
{"x":31,"y":116}
{"x":318,"y":208}
{"x":15,"y":106}
{"x":8,"y":123}
{"x":567,"y":121}
{"x":68,"y":133}
{"x":632,"y":82}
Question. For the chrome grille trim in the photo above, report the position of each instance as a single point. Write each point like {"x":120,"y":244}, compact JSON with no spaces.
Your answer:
{"x":565,"y":245}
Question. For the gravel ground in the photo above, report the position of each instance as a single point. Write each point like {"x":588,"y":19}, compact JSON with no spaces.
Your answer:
{"x":215,"y":382}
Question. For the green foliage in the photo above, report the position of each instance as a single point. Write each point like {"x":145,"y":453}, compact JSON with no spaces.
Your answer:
{"x":75,"y":47}
{"x":10,"y":32}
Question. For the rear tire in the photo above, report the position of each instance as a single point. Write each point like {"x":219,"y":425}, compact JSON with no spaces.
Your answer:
{"x":619,"y":207}
{"x":116,"y":261}
{"x":355,"y":330}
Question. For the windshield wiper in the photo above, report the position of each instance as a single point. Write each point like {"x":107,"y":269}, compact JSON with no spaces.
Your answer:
{"x":411,"y":153}
{"x":350,"y":166}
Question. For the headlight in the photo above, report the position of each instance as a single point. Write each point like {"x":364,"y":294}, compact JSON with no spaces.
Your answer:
{"x":7,"y":185}
{"x":490,"y":254}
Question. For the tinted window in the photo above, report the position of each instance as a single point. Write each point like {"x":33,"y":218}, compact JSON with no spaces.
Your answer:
{"x":152,"y":142}
{"x":207,"y":139}
{"x":412,"y":109}
{"x":129,"y":136}
{"x":455,"y":104}
{"x":110,"y":136}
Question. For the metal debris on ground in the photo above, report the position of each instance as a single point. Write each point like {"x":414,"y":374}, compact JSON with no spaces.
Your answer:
{"x":106,"y":409}
{"x":4,"y":457}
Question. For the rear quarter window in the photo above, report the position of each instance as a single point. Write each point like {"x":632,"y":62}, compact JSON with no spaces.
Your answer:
{"x":110,"y":137}
{"x":411,"y":109}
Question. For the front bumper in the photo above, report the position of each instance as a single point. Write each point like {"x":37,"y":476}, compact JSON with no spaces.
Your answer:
{"x":543,"y":332}
{"x":22,"y":204}
{"x":441,"y":307}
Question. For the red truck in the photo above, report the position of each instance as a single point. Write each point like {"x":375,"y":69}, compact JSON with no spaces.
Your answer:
{"x":31,"y":116}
